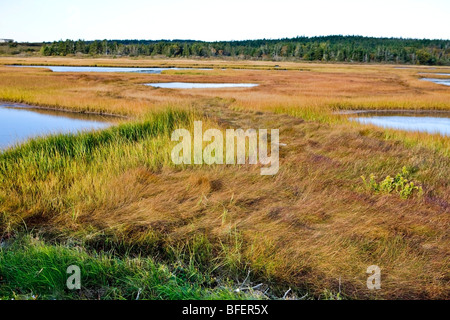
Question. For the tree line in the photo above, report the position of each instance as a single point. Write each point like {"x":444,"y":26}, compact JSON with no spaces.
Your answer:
{"x":326,"y":48}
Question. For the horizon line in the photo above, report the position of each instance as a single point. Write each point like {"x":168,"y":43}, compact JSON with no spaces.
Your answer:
{"x":242,"y":40}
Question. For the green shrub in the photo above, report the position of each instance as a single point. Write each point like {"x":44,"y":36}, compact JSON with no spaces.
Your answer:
{"x":400,"y":184}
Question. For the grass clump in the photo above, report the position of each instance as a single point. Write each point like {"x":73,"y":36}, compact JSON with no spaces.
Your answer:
{"x":398,"y":184}
{"x":33,"y":269}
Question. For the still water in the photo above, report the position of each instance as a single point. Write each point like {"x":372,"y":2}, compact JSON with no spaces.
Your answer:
{"x":18,"y":123}
{"x":197,"y":85}
{"x":445,"y":82}
{"x":436,"y":122}
{"x":105,"y":69}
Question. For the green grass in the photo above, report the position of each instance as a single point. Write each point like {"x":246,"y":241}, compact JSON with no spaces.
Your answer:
{"x":33,"y":269}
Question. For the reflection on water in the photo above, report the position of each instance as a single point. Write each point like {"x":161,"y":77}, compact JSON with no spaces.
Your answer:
{"x":18,"y":124}
{"x":105,"y":69}
{"x":431,"y":122}
{"x":192,"y":85}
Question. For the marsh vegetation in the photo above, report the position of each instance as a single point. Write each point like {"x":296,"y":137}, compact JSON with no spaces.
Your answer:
{"x":113,"y":201}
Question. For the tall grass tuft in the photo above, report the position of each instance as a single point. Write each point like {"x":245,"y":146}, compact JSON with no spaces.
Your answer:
{"x":33,"y":269}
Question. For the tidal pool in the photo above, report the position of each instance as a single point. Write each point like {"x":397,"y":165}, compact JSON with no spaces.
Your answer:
{"x":431,"y":122}
{"x":197,"y":85}
{"x":434,"y":73}
{"x":105,"y":69}
{"x":19,"y":123}
{"x":445,"y":82}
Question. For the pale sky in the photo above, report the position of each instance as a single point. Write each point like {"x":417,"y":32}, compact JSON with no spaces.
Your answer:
{"x":210,"y":20}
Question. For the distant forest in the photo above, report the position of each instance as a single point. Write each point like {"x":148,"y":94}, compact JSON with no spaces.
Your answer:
{"x":327,"y":48}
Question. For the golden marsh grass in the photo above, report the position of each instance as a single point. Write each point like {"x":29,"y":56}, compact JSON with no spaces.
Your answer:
{"x":313,"y":226}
